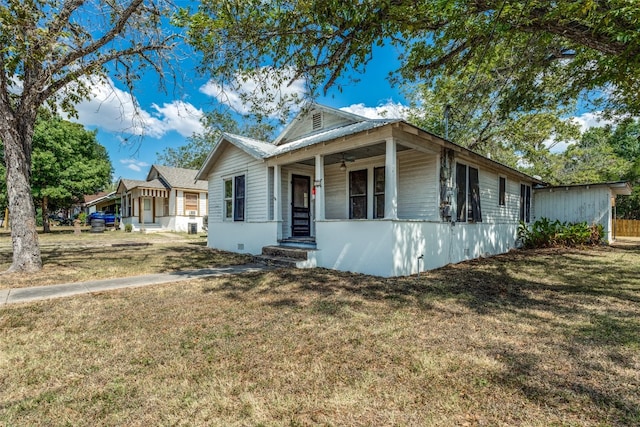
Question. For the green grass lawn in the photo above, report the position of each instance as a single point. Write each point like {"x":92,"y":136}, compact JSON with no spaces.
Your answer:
{"x":537,"y":338}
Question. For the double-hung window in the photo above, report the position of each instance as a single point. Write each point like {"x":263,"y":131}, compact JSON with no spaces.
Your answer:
{"x":358,"y":194}
{"x":468,"y":196}
{"x":378,"y":192}
{"x":502,"y":191}
{"x":525,"y":203}
{"x":234,"y":198}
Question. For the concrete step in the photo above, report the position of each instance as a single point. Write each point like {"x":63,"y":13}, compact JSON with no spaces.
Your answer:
{"x":275,"y":261}
{"x":298,"y":254}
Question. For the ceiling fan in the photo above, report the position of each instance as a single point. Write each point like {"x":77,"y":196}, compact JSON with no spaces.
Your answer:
{"x":343,"y":165}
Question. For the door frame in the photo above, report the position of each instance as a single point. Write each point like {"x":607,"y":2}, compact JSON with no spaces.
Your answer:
{"x":307,"y":178}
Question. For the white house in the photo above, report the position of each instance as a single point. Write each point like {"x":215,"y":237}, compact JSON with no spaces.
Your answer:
{"x":593,"y":203}
{"x":170,"y":199}
{"x":380,"y":197}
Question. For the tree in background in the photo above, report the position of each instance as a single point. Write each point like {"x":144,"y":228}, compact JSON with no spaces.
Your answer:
{"x":477,"y":123}
{"x":51,"y":51}
{"x":67,"y":163}
{"x":193,"y":154}
{"x":546,"y":53}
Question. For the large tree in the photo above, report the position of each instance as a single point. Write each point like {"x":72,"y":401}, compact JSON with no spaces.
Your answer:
{"x":51,"y":51}
{"x":67,"y":163}
{"x":547,"y":52}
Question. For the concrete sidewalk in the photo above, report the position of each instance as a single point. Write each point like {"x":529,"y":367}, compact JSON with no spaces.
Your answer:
{"x":13,"y":296}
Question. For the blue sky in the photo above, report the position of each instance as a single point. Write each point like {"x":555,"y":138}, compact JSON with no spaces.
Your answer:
{"x":168,"y":119}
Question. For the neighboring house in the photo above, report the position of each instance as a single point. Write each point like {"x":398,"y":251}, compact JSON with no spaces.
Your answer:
{"x":593,"y":203}
{"x":170,"y":199}
{"x":102,"y":202}
{"x":380,"y":197}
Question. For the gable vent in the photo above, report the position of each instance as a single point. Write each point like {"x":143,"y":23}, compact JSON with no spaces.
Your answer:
{"x":317,"y":121}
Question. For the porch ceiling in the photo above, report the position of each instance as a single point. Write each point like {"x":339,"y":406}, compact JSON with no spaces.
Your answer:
{"x":354,"y":154}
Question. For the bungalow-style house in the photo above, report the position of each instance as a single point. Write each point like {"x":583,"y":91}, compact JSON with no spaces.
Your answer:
{"x":380,"y":197}
{"x":102,"y":201}
{"x":593,"y":203}
{"x":170,"y":199}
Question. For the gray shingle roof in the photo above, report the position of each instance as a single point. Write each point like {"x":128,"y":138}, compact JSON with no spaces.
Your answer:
{"x":180,"y":177}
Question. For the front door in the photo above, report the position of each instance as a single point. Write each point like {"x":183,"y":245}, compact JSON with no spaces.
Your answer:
{"x":300,"y":210}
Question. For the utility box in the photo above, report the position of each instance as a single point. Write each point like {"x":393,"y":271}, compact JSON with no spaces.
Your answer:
{"x":193,"y":228}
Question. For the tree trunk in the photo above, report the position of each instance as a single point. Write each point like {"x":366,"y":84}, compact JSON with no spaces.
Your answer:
{"x":24,"y":236}
{"x":45,"y":215}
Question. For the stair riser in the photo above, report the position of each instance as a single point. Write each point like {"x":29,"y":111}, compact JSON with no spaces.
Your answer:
{"x":285,"y":253}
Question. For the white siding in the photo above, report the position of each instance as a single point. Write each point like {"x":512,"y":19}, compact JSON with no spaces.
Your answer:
{"x":490,"y":198}
{"x":335,"y":192}
{"x":575,"y":204}
{"x":234,"y":162}
{"x":418,"y":186}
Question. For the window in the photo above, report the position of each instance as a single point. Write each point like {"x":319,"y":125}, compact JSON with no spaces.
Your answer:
{"x":358,"y":194}
{"x":502,"y":191}
{"x":234,"y":192}
{"x":147,"y":204}
{"x":468,"y":197}
{"x":238,"y":198}
{"x":165,"y":206}
{"x":378,"y":192}
{"x":191,"y":203}
{"x":228,"y":199}
{"x":525,"y":203}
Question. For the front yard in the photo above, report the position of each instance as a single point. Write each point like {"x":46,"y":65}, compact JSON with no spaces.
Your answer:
{"x":539,"y":338}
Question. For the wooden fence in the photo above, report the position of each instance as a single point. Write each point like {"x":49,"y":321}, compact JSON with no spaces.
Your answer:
{"x":627,"y":227}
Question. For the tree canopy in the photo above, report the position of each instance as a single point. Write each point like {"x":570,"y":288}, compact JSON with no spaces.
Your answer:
{"x":52,"y":51}
{"x":67,"y":163}
{"x":545,"y":52}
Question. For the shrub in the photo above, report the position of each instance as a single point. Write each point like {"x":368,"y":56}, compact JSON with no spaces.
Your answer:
{"x":128,"y":228}
{"x":544,"y":233}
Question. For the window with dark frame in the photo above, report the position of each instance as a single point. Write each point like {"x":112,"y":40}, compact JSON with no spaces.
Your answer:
{"x":358,"y":194}
{"x":378,"y":192}
{"x":525,"y":203}
{"x":502,"y":191}
{"x":238,"y":199}
{"x":468,"y":195}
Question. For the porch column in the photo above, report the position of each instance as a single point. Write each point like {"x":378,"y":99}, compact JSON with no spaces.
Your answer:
{"x":277,"y":199}
{"x":319,"y":178}
{"x":390,"y":181}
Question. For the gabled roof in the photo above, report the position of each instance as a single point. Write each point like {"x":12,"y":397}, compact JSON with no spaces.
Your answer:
{"x":257,"y":149}
{"x":176,"y":177}
{"x":129,"y":184}
{"x":342,"y":124}
{"x":296,"y":128}
{"x":332,"y":134}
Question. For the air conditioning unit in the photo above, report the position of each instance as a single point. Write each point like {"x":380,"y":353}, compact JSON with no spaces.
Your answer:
{"x":192,"y":213}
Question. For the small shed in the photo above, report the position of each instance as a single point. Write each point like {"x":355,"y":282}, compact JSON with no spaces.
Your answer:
{"x":593,"y":203}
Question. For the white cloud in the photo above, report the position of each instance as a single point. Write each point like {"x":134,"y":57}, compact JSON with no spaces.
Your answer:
{"x":585,"y":121}
{"x":117,"y":111}
{"x":389,"y":110}
{"x":264,"y":91}
{"x":134,"y":164}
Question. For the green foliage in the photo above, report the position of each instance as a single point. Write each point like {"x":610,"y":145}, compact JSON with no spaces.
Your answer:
{"x":67,"y":162}
{"x":479,"y":125}
{"x":82,"y":217}
{"x":544,"y":53}
{"x":128,"y":228}
{"x":545,"y":233}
